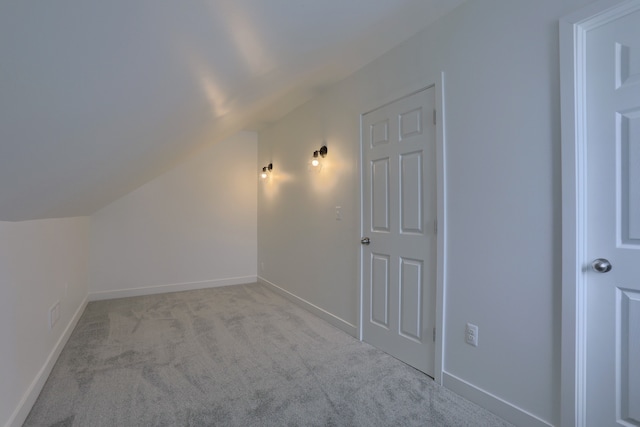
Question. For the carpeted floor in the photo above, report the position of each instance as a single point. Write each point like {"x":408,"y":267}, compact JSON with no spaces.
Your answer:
{"x":233,"y":356}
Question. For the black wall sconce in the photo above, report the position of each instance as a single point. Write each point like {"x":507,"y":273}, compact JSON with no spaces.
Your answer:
{"x":321,"y":153}
{"x":266,"y":170}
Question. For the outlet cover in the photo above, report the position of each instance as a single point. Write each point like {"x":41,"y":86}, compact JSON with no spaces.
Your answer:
{"x":471,"y":334}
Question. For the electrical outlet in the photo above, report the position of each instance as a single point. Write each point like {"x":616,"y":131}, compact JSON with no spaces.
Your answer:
{"x":54,"y":314}
{"x":471,"y":335}
{"x":338,"y":213}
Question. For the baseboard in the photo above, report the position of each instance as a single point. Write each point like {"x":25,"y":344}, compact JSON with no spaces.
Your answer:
{"x":29,"y":398}
{"x":323,"y":314}
{"x":176,"y":287}
{"x":498,"y":406}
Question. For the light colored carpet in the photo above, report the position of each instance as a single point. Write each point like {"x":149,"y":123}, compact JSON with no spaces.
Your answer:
{"x":233,"y":356}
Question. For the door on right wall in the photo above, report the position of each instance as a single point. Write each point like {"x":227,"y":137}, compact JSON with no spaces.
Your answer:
{"x":613,"y":223}
{"x":399,"y":221}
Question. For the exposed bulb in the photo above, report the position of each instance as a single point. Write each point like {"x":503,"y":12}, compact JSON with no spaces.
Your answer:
{"x":315,"y":161}
{"x":266,"y":170}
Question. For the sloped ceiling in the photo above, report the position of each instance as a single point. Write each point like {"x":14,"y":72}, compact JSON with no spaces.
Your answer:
{"x":99,"y":97}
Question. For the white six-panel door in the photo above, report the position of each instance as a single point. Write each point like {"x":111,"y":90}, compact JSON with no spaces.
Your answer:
{"x":613,"y":223}
{"x":399,"y":214}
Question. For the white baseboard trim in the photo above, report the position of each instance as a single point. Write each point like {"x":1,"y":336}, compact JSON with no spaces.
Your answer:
{"x":29,"y":398}
{"x":498,"y":406}
{"x":176,"y":287}
{"x":321,"y":313}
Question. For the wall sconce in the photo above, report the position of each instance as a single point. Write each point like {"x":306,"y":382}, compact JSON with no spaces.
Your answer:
{"x":266,"y":171}
{"x":321,"y":153}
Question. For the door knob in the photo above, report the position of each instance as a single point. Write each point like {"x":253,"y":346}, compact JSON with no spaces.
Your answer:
{"x":601,"y":265}
{"x":365,"y":241}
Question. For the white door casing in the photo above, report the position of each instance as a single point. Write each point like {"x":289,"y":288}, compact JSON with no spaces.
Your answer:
{"x":600,"y":47}
{"x":399,"y":218}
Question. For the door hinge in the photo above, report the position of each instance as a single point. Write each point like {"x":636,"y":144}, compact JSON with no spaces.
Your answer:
{"x":434,"y":117}
{"x":434,"y":334}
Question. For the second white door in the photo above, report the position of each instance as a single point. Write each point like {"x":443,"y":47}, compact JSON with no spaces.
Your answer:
{"x":399,"y":219}
{"x":613,"y":222}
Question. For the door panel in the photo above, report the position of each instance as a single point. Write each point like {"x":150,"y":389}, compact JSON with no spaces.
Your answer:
{"x":627,"y":63}
{"x":380,"y":290}
{"x":411,"y":193}
{"x":379,"y":133}
{"x":380,"y":208}
{"x":411,"y":123}
{"x":613,"y":223}
{"x":628,"y":124}
{"x":630,"y":355}
{"x":399,"y":210}
{"x":410,"y":297}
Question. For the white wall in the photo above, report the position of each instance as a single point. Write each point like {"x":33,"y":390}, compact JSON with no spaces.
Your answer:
{"x":301,"y":247}
{"x":41,"y":262}
{"x":500,"y":60}
{"x":194,"y":226}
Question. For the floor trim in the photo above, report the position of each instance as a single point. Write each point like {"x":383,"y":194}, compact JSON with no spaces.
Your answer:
{"x":176,"y":287}
{"x":29,"y":398}
{"x":321,"y":313}
{"x":488,"y":401}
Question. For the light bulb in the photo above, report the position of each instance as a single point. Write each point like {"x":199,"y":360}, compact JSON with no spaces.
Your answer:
{"x":314,"y":160}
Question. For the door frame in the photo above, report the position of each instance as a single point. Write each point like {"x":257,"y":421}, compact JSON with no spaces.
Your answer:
{"x":573,"y":50}
{"x":440,"y":216}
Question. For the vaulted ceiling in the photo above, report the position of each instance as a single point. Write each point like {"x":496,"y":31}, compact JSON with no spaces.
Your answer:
{"x":99,"y":97}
